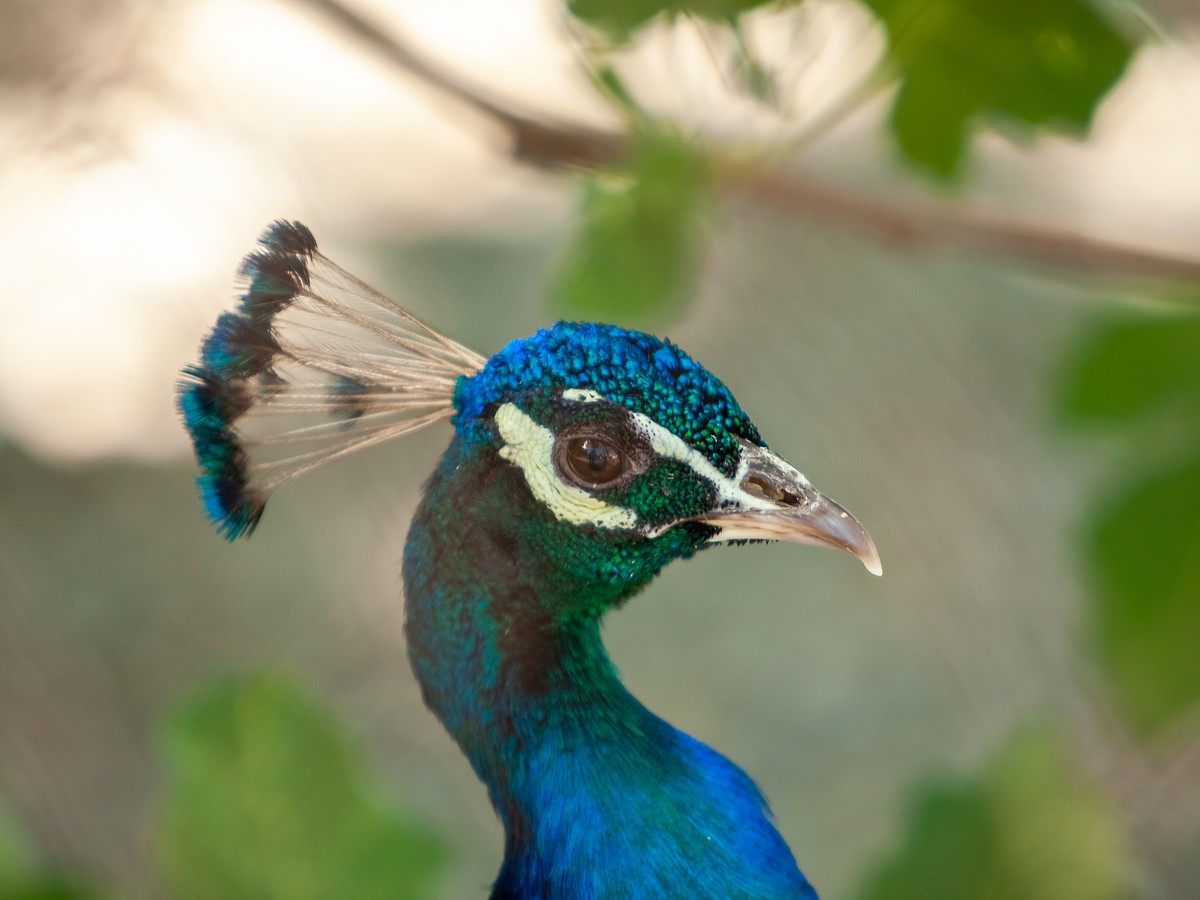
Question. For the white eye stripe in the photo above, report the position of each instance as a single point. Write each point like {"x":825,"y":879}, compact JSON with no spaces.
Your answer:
{"x":669,"y":445}
{"x":581,"y":395}
{"x":530,"y":447}
{"x":729,"y":490}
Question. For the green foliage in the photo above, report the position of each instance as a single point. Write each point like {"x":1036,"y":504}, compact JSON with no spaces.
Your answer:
{"x":620,"y":19}
{"x":22,"y":879}
{"x":960,"y":63}
{"x":1036,"y":62}
{"x":1029,"y":826}
{"x":266,"y":800}
{"x":49,"y":888}
{"x":1133,"y":367}
{"x":16,"y":858}
{"x":1145,"y":548}
{"x":641,"y":236}
{"x":1144,"y":542}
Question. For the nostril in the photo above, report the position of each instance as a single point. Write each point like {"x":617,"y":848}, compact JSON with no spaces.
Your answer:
{"x":755,"y":484}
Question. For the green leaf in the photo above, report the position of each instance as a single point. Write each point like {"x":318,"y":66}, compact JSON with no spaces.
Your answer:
{"x":1131,"y":367}
{"x":16,"y":856}
{"x":1145,"y":548}
{"x":620,"y":19}
{"x":1029,"y":826}
{"x":48,"y":888}
{"x":266,"y":801}
{"x":641,"y":237}
{"x":22,"y":878}
{"x":1143,"y":544}
{"x":1036,"y":62}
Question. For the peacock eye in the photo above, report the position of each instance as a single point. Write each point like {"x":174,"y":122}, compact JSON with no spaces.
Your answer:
{"x":591,"y":462}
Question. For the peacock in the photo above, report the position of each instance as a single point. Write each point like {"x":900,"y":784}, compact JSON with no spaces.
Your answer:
{"x":584,"y":459}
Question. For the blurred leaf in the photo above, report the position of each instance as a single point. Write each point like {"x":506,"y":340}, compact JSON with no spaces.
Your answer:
{"x":619,"y":19}
{"x":1146,"y":552}
{"x":613,"y":85}
{"x":16,"y":856}
{"x":49,"y":888}
{"x":20,"y":876}
{"x":751,"y":75}
{"x":1029,"y":827}
{"x":1144,"y":544}
{"x":641,"y":236}
{"x":266,"y":801}
{"x":1128,"y":368}
{"x":1038,"y":62}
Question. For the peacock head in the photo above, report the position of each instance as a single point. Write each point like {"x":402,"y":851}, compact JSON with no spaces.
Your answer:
{"x":613,"y":451}
{"x":631,"y":454}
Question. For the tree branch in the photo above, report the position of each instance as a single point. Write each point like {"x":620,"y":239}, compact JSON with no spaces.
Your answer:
{"x":549,"y":144}
{"x":934,"y":224}
{"x":538,"y":142}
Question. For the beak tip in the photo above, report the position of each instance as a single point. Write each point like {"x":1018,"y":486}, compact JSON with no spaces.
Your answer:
{"x":854,"y":538}
{"x":863,"y":547}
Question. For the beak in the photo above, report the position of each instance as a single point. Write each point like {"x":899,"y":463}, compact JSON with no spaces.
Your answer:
{"x":774,"y":502}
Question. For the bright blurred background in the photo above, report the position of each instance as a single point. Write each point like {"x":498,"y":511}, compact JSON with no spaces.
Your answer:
{"x":1010,"y":712}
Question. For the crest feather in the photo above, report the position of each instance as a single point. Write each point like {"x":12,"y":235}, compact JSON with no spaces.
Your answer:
{"x":313,"y":365}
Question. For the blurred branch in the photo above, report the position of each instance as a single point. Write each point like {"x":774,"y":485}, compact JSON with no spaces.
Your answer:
{"x":553,"y":144}
{"x":934,"y":224}
{"x":535,"y":141}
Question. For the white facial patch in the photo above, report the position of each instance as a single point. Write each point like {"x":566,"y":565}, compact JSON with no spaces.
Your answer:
{"x":530,"y":447}
{"x":729,"y":490}
{"x":581,"y":395}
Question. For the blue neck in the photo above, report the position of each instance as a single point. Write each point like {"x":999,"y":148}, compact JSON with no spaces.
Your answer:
{"x":598,"y":796}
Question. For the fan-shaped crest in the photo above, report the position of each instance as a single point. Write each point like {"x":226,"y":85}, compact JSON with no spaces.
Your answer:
{"x":313,"y":365}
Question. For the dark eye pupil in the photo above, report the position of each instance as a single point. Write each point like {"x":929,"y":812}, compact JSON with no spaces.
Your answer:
{"x":594,"y":461}
{"x":597,"y":455}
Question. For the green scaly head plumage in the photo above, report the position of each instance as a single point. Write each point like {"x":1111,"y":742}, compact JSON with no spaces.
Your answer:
{"x":584,"y":459}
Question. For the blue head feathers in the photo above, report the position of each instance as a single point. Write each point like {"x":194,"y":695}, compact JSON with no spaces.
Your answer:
{"x":637,"y":371}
